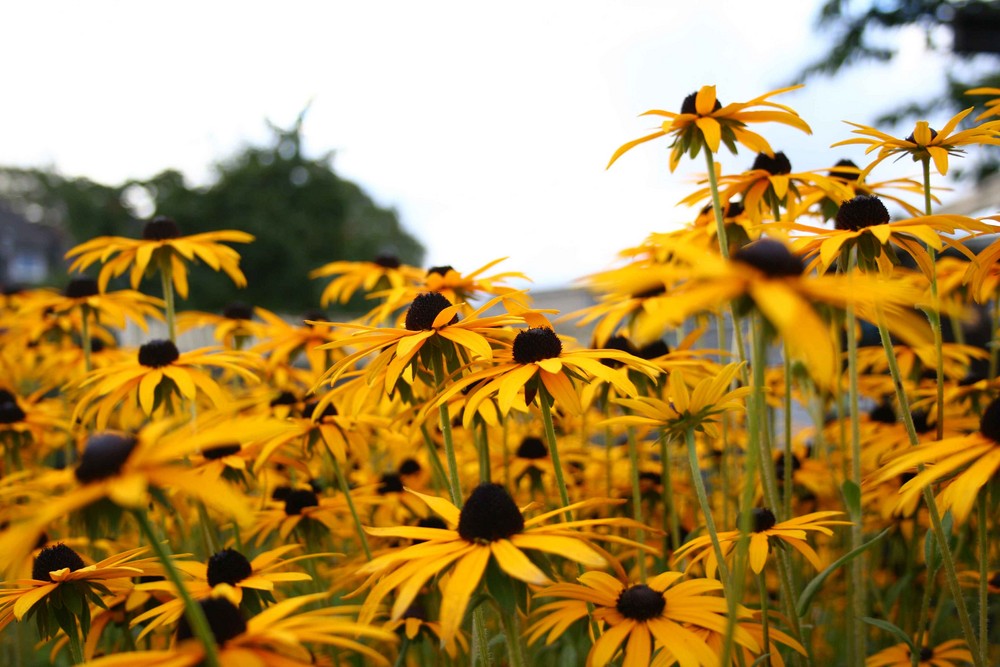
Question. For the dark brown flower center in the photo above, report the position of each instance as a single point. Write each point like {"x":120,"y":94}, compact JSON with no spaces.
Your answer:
{"x":489,"y":514}
{"x":654,"y":350}
{"x":10,"y":411}
{"x":54,"y":558}
{"x":390,"y":483}
{"x":440,"y":270}
{"x":299,"y":499}
{"x":771,"y":257}
{"x":314,"y":315}
{"x":779,"y":164}
{"x":861,"y":212}
{"x":535,"y":344}
{"x":79,"y":288}
{"x":762,"y":519}
{"x":845,"y":170}
{"x":387,"y":261}
{"x":161,"y":228}
{"x":689,"y":106}
{"x":224,"y":618}
{"x":424,"y":309}
{"x":913,"y":139}
{"x":238,"y":310}
{"x":158,"y":353}
{"x":409,"y":467}
{"x":221,"y":451}
{"x":883,"y":413}
{"x":640,"y":603}
{"x":532,"y":447}
{"x":228,"y":567}
{"x":103,"y":456}
{"x":989,"y":424}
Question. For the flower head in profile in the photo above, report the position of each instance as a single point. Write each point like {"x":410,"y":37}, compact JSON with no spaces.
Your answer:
{"x":924,"y":143}
{"x":279,"y":636}
{"x":489,"y":527}
{"x":705,"y":122}
{"x":966,"y":463}
{"x":163,"y":248}
{"x":385,"y":272}
{"x":640,"y":618}
{"x":951,"y":653}
{"x":765,"y":532}
{"x":160,"y":373}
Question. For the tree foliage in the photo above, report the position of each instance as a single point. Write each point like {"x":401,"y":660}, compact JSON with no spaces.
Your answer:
{"x":301,"y":212}
{"x":863,"y":33}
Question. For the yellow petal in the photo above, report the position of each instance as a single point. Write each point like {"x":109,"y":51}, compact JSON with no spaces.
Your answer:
{"x":463,"y":582}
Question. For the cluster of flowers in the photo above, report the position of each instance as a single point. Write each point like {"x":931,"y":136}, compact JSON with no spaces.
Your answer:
{"x":447,"y":480}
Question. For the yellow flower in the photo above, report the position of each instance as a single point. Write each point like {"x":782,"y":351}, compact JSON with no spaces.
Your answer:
{"x":384,"y":272}
{"x":488,"y":527}
{"x":951,"y":653}
{"x":967,"y":463}
{"x":663,"y":612}
{"x":924,"y":143}
{"x":276,"y":637}
{"x":699,"y":409}
{"x":159,"y":374}
{"x":125,"y":468}
{"x":704,"y":121}
{"x":992,"y":106}
{"x":162,"y":247}
{"x":537,"y":360}
{"x":765,"y":531}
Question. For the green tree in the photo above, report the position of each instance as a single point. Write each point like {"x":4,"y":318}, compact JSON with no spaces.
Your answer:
{"x":863,"y":32}
{"x":301,"y":212}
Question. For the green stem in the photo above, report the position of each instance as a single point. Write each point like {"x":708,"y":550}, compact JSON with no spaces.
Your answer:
{"x":346,"y":490}
{"x":764,"y":621}
{"x":166,"y":280}
{"x":85,"y":342}
{"x":480,"y":639}
{"x":672,"y":526}
{"x":789,"y":455}
{"x":859,"y":596}
{"x":984,"y":556}
{"x":706,"y":508}
{"x":515,"y":642}
{"x":713,"y":185}
{"x":550,"y":437}
{"x":925,"y":605}
{"x":401,"y":658}
{"x":483,"y":448}
{"x":195,"y":614}
{"x":935,"y":515}
{"x":440,"y":476}
{"x":633,"y":456}
{"x":454,"y":485}
{"x":75,"y":646}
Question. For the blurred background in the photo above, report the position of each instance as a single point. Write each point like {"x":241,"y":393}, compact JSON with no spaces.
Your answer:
{"x":444,"y":133}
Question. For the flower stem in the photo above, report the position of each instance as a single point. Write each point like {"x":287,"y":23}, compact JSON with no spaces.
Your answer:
{"x":195,"y":614}
{"x":345,"y":489}
{"x":720,"y":223}
{"x":764,"y":621}
{"x":454,"y":485}
{"x":166,"y":280}
{"x":515,"y":642}
{"x":85,"y":342}
{"x":935,"y":515}
{"x":706,"y":508}
{"x":984,"y":555}
{"x":672,"y":527}
{"x":633,"y":456}
{"x":859,"y":594}
{"x":550,"y":437}
{"x":480,"y":639}
{"x":483,"y":449}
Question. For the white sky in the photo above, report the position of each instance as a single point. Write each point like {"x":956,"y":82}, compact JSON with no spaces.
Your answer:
{"x":486,"y":125}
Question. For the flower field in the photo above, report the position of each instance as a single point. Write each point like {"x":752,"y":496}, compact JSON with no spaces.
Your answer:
{"x":778,"y":444}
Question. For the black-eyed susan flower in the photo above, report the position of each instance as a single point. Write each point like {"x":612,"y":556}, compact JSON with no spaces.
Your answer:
{"x":765,"y":533}
{"x":537,"y":360}
{"x":414,"y":624}
{"x":666,"y":611}
{"x":125,"y":469}
{"x":279,"y":636}
{"x":159,"y":374}
{"x":488,"y":528}
{"x":60,"y":579}
{"x":863,"y":222}
{"x":245,"y":577}
{"x":233,"y":328}
{"x":385,"y":272}
{"x":769,"y":185}
{"x":951,"y":653}
{"x":966,"y":463}
{"x":113,"y":309}
{"x":716,"y":641}
{"x":163,"y":248}
{"x":704,"y":121}
{"x":431,"y":319}
{"x":924,"y":143}
{"x":699,"y":408}
{"x":305,"y":509}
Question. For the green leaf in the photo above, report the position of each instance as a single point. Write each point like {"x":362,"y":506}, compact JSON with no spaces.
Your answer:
{"x":852,"y":498}
{"x":891,"y":629}
{"x":805,"y":599}
{"x":499,"y":585}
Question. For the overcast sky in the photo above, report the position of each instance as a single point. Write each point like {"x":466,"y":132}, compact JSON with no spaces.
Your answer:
{"x":487,"y":125}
